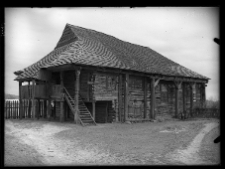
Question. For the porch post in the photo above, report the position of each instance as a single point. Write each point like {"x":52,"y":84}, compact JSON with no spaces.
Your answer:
{"x":77,"y":88}
{"x":49,"y":102}
{"x":29,"y":100}
{"x":120,"y":100}
{"x":33,"y":101}
{"x":126,"y":97}
{"x":191,"y":100}
{"x":152,"y":113}
{"x":38,"y":109}
{"x":62,"y":116}
{"x":145,"y":97}
{"x":177,"y":87}
{"x":93,"y":96}
{"x":20,"y":100}
{"x":184,"y":100}
{"x":203,"y":98}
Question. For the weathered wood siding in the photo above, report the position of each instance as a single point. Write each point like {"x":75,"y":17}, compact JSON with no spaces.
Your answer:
{"x":136,"y":97}
{"x":105,"y":86}
{"x":197,"y":96}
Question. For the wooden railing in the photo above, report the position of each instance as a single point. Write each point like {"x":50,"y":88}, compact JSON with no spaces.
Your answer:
{"x":41,"y":91}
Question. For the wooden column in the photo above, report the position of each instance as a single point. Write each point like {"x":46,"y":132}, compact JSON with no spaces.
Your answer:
{"x":184,"y":99}
{"x":62,"y":115}
{"x":49,"y":109}
{"x":177,"y":87}
{"x":76,"y":97}
{"x":33,"y":101}
{"x":203,"y":98}
{"x":29,"y":100}
{"x":191,"y":100}
{"x":152,"y":113}
{"x":204,"y":95}
{"x":145,"y":97}
{"x":38,"y":109}
{"x":45,"y":108}
{"x":20,"y":100}
{"x":93,"y":109}
{"x":93,"y":96}
{"x":126,"y":97}
{"x":49,"y":112}
{"x":120,"y":98}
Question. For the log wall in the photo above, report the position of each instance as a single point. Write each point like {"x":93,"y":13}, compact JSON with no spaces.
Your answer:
{"x":105,"y":86}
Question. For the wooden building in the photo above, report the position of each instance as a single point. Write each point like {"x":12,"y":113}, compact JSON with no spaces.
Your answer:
{"x":96,"y":78}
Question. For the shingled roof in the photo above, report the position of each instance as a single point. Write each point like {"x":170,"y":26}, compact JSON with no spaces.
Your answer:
{"x":88,"y":47}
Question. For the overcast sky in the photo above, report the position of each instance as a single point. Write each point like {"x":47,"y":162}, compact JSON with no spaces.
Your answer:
{"x":182,"y":34}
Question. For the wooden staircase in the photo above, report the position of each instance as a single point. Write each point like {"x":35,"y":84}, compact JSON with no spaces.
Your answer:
{"x":85,"y":116}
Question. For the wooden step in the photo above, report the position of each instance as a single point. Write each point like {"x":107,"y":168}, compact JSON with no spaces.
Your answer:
{"x":85,"y":117}
{"x":85,"y":114}
{"x":86,"y":121}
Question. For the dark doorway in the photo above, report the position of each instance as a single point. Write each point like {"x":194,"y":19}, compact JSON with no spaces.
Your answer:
{"x":103,"y":111}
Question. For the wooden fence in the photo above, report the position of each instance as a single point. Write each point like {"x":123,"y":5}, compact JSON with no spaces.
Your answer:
{"x":206,"y":112}
{"x":12,"y":109}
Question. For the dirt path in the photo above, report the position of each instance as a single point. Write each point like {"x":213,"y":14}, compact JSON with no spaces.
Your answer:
{"x":190,"y":155}
{"x":111,"y":144}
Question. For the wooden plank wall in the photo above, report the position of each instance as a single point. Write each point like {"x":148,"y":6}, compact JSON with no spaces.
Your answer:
{"x":106,"y":87}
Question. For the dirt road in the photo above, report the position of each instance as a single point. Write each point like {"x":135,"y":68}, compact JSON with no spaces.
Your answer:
{"x":29,"y":142}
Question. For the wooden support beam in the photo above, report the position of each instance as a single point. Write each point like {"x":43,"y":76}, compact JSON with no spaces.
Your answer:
{"x":191,"y":100}
{"x":152,"y":113}
{"x":203,"y":98}
{"x":120,"y":100}
{"x":177,"y":87}
{"x":126,"y":97}
{"x":157,"y":81}
{"x":184,"y":99}
{"x":49,"y":109}
{"x":45,"y":108}
{"x":93,"y":109}
{"x":20,"y":100}
{"x":33,"y":101}
{"x":93,"y":95}
{"x":38,"y":109}
{"x":76,"y":97}
{"x":88,"y":88}
{"x":145,"y":97}
{"x":62,"y":114}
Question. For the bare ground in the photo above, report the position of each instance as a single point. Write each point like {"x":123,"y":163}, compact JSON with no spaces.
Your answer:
{"x":31,"y":142}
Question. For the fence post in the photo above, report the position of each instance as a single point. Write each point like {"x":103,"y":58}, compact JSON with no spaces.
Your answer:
{"x":13,"y":106}
{"x":17,"y":109}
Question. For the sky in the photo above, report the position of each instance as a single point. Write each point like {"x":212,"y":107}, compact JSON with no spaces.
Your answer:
{"x":182,"y":34}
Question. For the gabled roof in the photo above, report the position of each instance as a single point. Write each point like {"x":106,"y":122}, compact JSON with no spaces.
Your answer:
{"x":88,"y":47}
